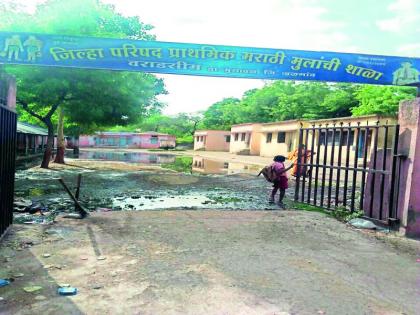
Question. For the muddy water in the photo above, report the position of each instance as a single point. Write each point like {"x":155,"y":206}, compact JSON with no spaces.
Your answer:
{"x":178,"y":183}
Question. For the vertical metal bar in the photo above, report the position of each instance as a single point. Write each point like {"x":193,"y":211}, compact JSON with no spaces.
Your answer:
{"x":364,"y":172}
{"x":381,"y":205}
{"x":324,"y":164}
{"x":372,"y":185}
{"x":318,"y":147}
{"x":346,"y":173}
{"x":2,"y":184}
{"x":304,"y":168}
{"x":331,"y":168}
{"x":392,"y":211}
{"x":312,"y":163}
{"x":298,"y":164}
{"x":340,"y":149}
{"x":356,"y":160}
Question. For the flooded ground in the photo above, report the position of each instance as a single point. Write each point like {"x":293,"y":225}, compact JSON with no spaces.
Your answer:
{"x":158,"y":181}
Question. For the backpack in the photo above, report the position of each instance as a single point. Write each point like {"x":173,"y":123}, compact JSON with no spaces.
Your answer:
{"x":268,"y":173}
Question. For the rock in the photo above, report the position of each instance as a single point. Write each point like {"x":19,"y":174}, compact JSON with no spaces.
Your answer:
{"x":1,"y":299}
{"x":83,"y":258}
{"x":40,"y":298}
{"x":18,"y":275}
{"x":32,"y":289}
{"x":101,"y":258}
{"x":46,"y":255}
{"x":63,"y":285}
{"x":97,"y":286}
{"x":362,"y":224}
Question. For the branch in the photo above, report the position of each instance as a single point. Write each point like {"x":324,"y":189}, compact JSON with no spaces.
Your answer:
{"x":53,"y":108}
{"x":26,"y":108}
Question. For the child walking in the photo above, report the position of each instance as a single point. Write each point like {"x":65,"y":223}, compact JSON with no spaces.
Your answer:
{"x":280,"y":180}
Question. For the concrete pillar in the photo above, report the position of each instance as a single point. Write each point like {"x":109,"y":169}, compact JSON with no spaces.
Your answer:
{"x":409,"y":145}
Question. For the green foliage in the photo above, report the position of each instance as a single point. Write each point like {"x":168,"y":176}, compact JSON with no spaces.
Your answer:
{"x":182,"y":164}
{"x":286,"y":100}
{"x":381,"y":99}
{"x":345,"y":215}
{"x":92,"y":99}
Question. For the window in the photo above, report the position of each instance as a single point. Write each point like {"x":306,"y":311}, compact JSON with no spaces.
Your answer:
{"x":154,"y":140}
{"x":329,"y":139}
{"x":269,"y":137}
{"x":236,"y":136}
{"x":243,"y":137}
{"x":281,"y":137}
{"x":227,"y":139}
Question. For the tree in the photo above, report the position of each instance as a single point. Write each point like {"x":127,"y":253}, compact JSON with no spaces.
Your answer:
{"x":89,"y":98}
{"x":381,"y":100}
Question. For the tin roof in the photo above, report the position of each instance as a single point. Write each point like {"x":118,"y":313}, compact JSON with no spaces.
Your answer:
{"x":31,"y":129}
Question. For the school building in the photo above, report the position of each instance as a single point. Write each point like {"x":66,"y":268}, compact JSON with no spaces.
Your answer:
{"x":356,"y":139}
{"x":31,"y":139}
{"x":281,"y":138}
{"x":144,"y":140}
{"x":212,"y":140}
{"x":245,"y":139}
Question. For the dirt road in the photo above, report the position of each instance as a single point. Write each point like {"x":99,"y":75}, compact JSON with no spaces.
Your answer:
{"x":208,"y":262}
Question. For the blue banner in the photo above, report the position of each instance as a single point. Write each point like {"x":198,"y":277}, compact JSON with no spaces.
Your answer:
{"x":205,"y":60}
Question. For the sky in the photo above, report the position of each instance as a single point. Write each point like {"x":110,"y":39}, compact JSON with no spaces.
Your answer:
{"x":385,"y":27}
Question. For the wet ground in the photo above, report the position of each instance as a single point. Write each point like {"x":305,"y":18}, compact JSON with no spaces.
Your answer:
{"x":126,"y":259}
{"x":158,"y":181}
{"x":207,"y":262}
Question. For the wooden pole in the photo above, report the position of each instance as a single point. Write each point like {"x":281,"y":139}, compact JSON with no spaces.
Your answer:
{"x":79,"y":207}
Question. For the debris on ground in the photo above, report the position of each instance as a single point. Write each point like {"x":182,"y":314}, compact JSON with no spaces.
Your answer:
{"x":362,"y":224}
{"x":4,"y":282}
{"x":32,"y":289}
{"x":40,"y":298}
{"x":67,"y":291}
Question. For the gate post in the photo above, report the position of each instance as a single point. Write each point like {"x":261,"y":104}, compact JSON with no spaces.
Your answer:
{"x":408,"y":205}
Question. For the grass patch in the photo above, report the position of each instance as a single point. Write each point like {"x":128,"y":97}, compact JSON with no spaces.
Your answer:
{"x":340,"y":213}
{"x":182,"y":164}
{"x":305,"y":207}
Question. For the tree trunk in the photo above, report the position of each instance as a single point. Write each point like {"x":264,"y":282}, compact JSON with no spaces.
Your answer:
{"x":61,"y":148}
{"x":50,"y":144}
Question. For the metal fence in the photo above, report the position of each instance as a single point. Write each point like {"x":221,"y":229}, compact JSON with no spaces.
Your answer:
{"x":8,"y":120}
{"x":352,"y":167}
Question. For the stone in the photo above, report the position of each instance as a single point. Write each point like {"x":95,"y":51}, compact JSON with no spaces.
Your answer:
{"x":101,"y":258}
{"x":18,"y":275}
{"x":362,"y":224}
{"x":46,"y":255}
{"x":32,"y":289}
{"x":40,"y":298}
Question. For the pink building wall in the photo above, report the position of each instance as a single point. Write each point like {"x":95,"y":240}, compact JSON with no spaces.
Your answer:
{"x":133,"y":140}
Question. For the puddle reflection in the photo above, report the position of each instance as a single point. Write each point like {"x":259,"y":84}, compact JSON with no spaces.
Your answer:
{"x":196,"y":164}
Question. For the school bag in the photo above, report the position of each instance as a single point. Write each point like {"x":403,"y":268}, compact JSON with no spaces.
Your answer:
{"x":268,"y":173}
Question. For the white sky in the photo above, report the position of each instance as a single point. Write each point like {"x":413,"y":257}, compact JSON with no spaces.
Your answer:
{"x":364,"y":26}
